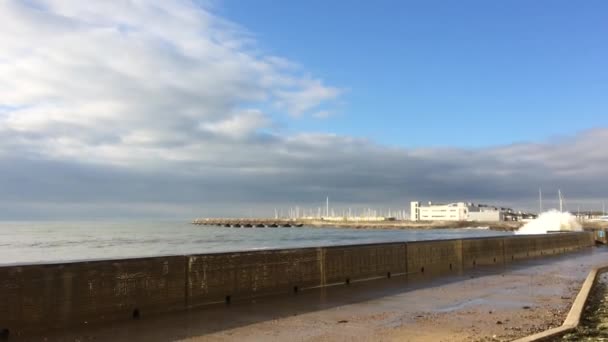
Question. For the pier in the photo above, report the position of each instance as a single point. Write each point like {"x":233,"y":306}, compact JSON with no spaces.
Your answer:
{"x":352,"y":223}
{"x":248,"y":222}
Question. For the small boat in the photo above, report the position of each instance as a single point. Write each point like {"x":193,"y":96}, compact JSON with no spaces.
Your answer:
{"x":247,"y":225}
{"x":259,"y":225}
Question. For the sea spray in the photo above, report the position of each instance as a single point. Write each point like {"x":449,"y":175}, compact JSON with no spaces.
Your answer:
{"x":551,"y":220}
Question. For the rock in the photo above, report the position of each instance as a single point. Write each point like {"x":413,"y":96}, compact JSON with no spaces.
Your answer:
{"x":498,"y":322}
{"x":525,"y":307}
{"x":343,"y":321}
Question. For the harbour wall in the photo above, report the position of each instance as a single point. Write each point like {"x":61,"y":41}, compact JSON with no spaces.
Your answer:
{"x":34,"y":298}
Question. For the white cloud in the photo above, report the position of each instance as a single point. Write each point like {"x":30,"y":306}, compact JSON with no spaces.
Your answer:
{"x":309,"y":96}
{"x":104,"y":80}
{"x":240,"y":125}
{"x":231,"y":174}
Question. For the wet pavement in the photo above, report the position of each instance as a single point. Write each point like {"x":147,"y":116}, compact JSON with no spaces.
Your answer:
{"x":484,"y":304}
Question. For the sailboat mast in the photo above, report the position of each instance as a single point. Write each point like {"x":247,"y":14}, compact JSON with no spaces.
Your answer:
{"x":561,"y":202}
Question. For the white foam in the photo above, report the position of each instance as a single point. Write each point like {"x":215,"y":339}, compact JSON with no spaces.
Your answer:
{"x":551,"y":220}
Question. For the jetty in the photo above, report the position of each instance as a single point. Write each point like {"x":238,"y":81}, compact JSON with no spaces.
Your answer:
{"x":248,"y":222}
{"x":349,"y":223}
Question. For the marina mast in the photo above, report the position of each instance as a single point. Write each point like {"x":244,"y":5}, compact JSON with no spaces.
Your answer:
{"x":540,"y":200}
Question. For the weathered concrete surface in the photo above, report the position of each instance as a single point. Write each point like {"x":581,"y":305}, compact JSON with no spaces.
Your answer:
{"x":345,"y":264}
{"x":485,"y":304}
{"x":225,"y":277}
{"x":481,"y":252}
{"x":433,"y":258}
{"x":39,"y":297}
{"x":556,"y":245}
{"x":520,"y":247}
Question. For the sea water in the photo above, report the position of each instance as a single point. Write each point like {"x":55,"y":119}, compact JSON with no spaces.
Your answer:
{"x":48,"y":242}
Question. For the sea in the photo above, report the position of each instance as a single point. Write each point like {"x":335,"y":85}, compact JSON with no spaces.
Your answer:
{"x":53,"y":242}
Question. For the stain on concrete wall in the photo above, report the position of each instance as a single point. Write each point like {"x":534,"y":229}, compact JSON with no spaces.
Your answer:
{"x":519,"y":247}
{"x":57,"y":295}
{"x":434,"y":258}
{"x":346,"y":264}
{"x":480,"y":252}
{"x":231,"y":276}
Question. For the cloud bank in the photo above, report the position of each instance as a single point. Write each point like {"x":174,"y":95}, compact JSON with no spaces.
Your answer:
{"x":142,"y":108}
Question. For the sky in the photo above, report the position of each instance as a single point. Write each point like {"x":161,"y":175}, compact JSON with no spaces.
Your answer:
{"x":531,"y":64}
{"x":156,"y":109}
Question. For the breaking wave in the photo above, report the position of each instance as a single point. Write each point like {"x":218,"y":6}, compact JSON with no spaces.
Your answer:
{"x":551,"y":220}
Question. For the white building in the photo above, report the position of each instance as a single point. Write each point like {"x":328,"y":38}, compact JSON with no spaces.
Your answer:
{"x":456,"y":212}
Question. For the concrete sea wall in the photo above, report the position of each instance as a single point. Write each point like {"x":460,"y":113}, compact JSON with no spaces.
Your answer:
{"x":35,"y":298}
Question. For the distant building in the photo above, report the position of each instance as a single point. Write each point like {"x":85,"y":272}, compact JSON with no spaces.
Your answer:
{"x":461,"y":211}
{"x":439,"y":212}
{"x":591,"y":216}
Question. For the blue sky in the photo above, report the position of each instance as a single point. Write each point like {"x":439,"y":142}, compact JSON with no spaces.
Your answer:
{"x":444,"y":73}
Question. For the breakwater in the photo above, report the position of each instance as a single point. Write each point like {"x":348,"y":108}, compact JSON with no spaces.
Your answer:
{"x":249,"y":223}
{"x":39,"y":297}
{"x":362,"y":224}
